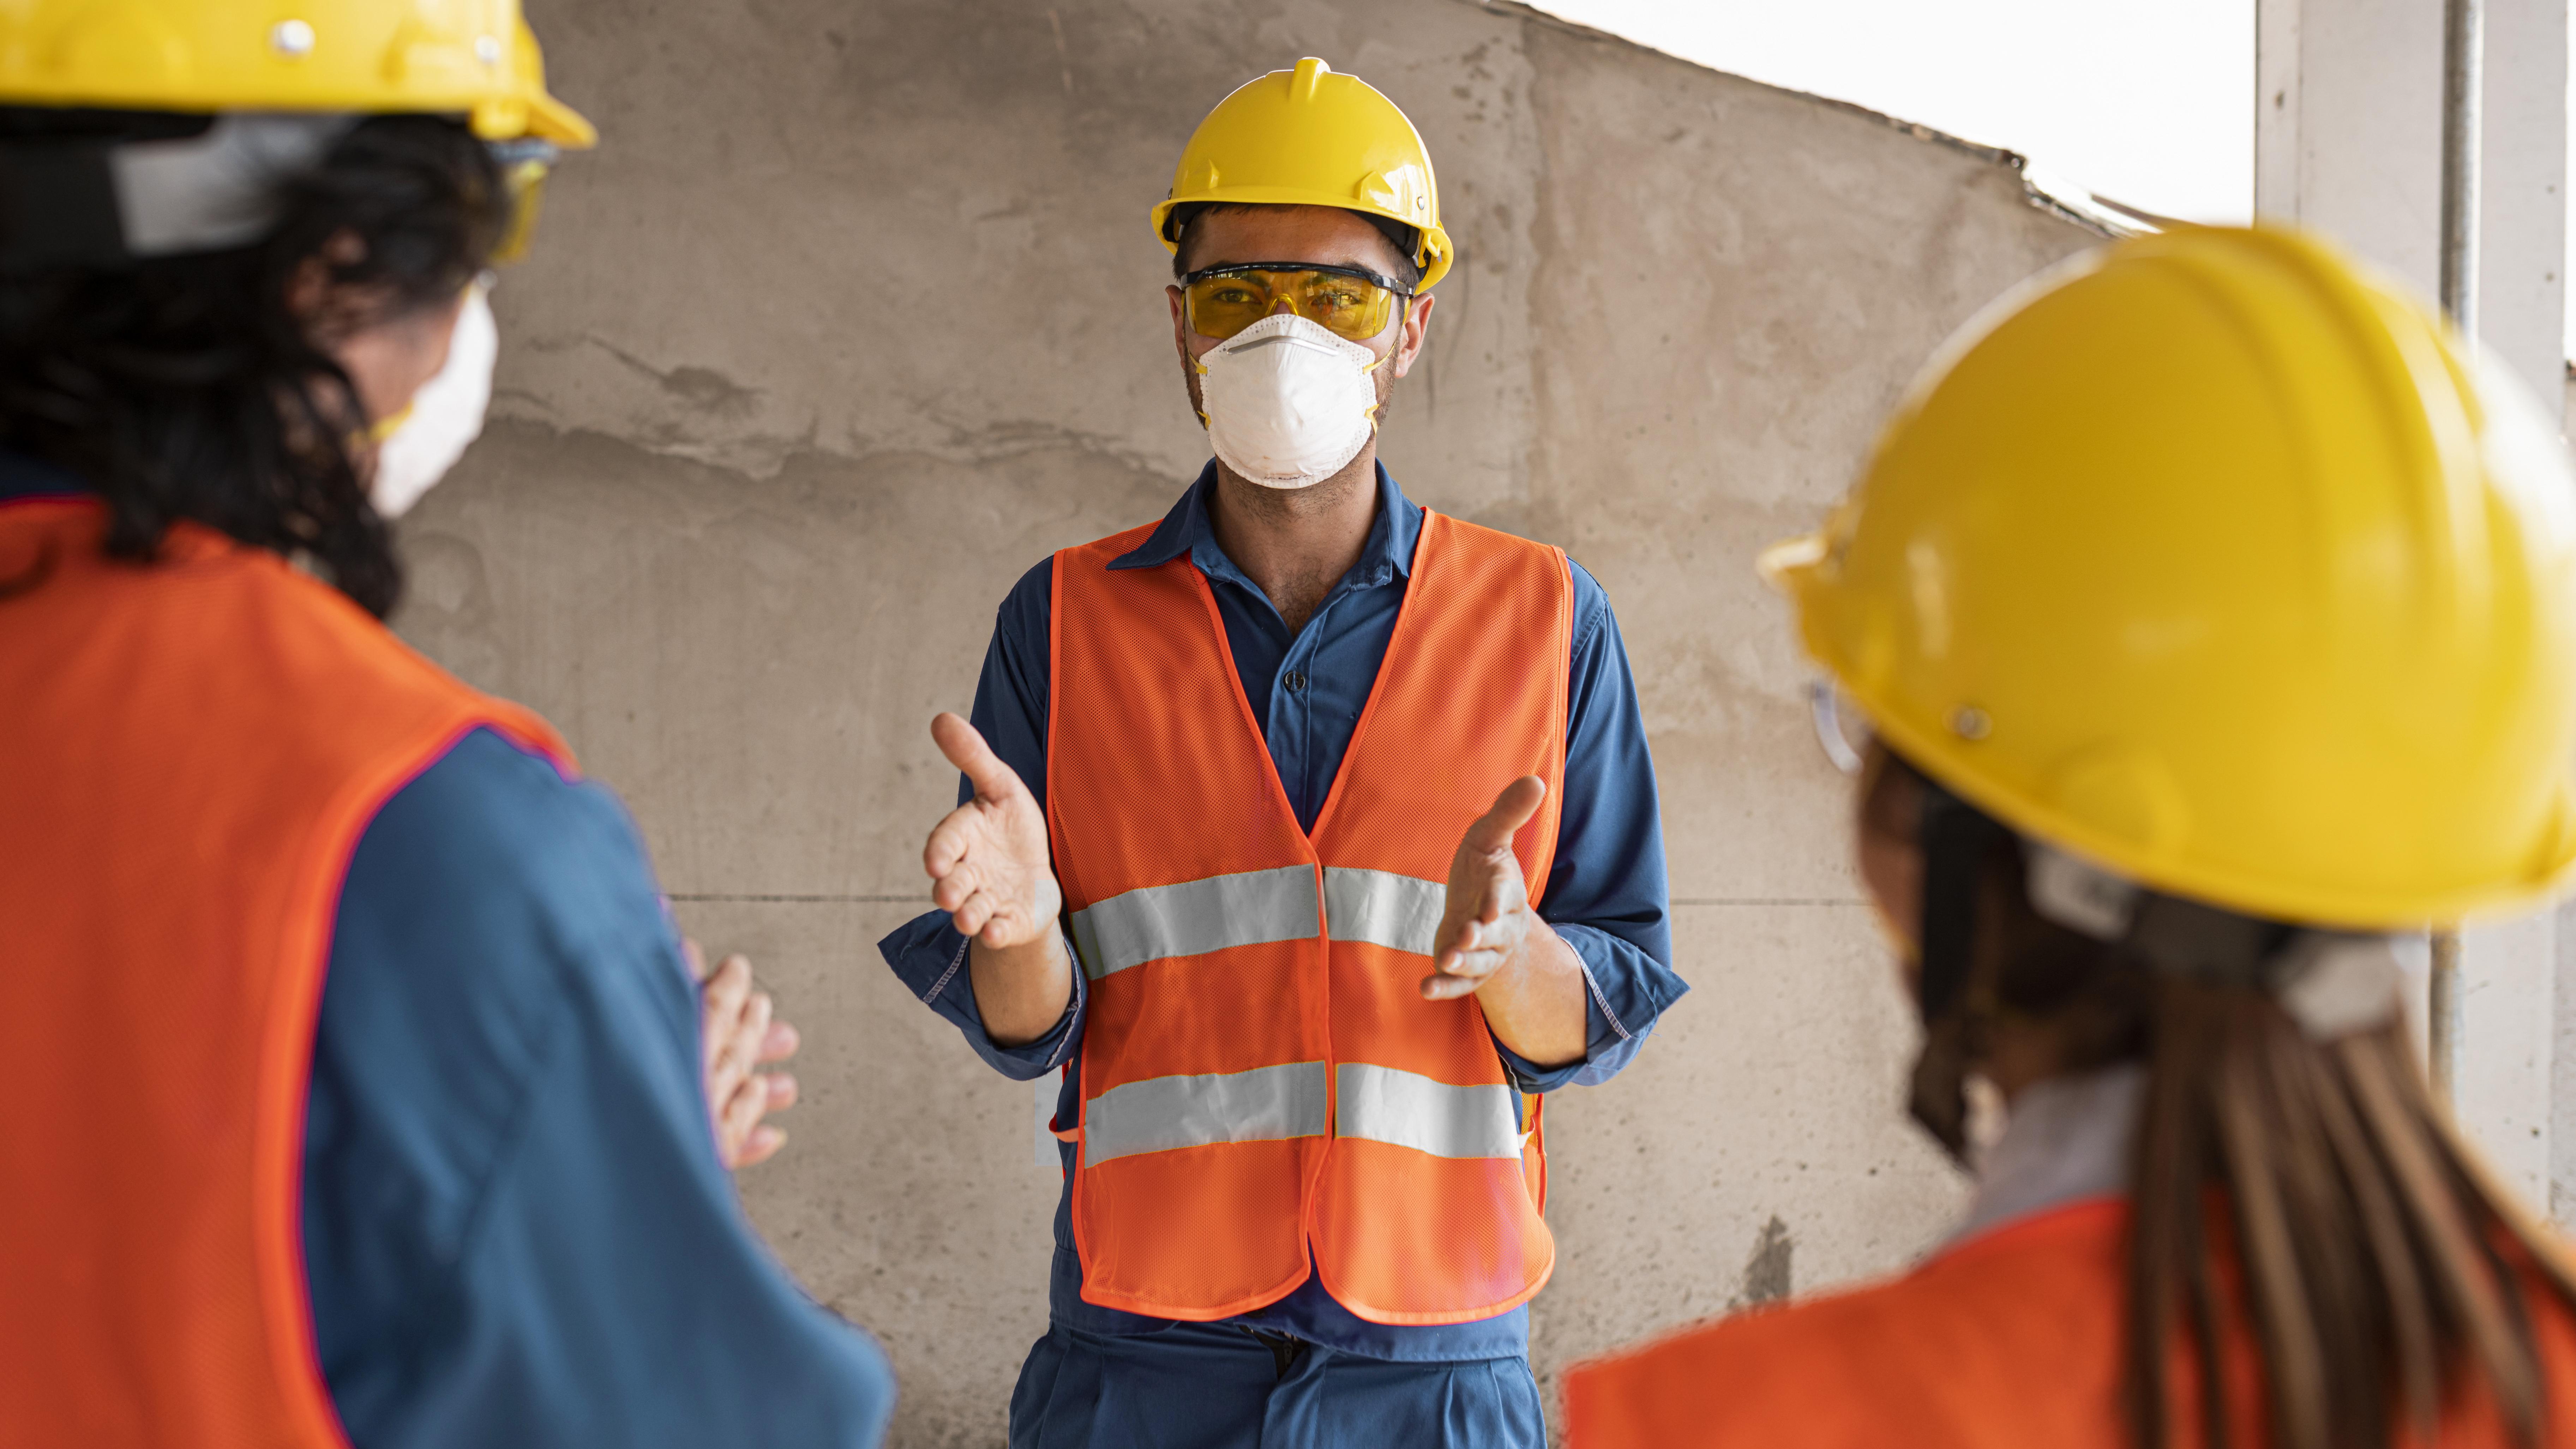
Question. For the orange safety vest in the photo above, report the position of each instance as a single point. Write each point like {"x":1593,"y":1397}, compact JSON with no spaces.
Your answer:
{"x":188,"y":753}
{"x":2010,"y":1340}
{"x":1260,"y":1073}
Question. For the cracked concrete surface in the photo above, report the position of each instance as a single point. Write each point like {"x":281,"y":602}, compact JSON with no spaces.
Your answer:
{"x":854,"y":316}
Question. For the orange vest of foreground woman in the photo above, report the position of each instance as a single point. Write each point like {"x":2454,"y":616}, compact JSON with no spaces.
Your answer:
{"x":2010,"y":1340}
{"x":1264,"y":1087}
{"x":188,"y":753}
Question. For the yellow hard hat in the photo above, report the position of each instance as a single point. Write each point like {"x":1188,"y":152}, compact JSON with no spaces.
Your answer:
{"x":1309,"y":137}
{"x":2214,"y":559}
{"x":474,"y":58}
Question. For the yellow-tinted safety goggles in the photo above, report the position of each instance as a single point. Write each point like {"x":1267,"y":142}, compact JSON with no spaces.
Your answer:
{"x":524,"y":165}
{"x":1347,"y":301}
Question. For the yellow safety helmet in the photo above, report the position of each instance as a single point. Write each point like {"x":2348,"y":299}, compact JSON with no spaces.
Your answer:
{"x":1310,"y":137}
{"x":474,"y":58}
{"x":2213,"y":559}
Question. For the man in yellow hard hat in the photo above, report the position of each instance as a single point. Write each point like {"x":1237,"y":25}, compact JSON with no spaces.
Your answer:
{"x":358,"y":1088}
{"x":1312,"y":835}
{"x":2214,"y":614}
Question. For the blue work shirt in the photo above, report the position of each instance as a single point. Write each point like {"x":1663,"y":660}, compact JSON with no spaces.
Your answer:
{"x":1605,"y":893}
{"x":515,"y":1228}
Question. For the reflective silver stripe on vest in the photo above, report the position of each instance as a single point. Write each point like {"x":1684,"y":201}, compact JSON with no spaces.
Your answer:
{"x":1159,"y":1114}
{"x":1411,"y":1110}
{"x":1383,"y":908}
{"x":1195,"y":916}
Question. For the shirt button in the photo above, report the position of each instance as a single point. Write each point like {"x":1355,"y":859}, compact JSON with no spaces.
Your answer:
{"x":1296,"y":682}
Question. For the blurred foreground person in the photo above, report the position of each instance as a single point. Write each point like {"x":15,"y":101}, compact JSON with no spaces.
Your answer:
{"x":354,"y":1071}
{"x":2216,"y":620}
{"x":1312,"y":834}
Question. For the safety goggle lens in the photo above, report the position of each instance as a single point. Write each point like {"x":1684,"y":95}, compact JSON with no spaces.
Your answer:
{"x":1348,"y":307}
{"x":524,"y":182}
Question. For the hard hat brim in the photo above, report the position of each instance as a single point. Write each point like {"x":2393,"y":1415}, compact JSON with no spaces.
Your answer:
{"x":551,"y":120}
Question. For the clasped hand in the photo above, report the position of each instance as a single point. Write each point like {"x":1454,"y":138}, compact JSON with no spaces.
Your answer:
{"x":741,"y":1034}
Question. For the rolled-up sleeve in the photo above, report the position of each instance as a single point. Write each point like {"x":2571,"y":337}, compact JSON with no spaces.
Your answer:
{"x":926,"y":953}
{"x":929,"y":957}
{"x":1606,"y":891}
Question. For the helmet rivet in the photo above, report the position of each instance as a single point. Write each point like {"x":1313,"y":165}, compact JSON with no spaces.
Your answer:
{"x":487,"y":49}
{"x":1970,"y":723}
{"x":291,"y":37}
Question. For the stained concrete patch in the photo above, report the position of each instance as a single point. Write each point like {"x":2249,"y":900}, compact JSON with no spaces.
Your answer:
{"x":702,"y":388}
{"x":1767,"y":1272}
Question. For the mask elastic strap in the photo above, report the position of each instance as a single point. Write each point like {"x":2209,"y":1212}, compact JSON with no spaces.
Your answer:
{"x":385,"y":427}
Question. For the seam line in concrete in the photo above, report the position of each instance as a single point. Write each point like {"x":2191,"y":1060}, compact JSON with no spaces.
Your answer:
{"x":798,"y":899}
{"x":1751,"y":900}
{"x":756,"y":899}
{"x":759,"y":899}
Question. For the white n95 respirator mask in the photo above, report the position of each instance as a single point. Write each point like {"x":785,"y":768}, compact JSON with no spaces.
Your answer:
{"x":445,"y":416}
{"x":1287,"y":403}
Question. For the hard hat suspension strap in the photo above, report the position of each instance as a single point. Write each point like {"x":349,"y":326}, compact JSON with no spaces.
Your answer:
{"x":86,"y":199}
{"x":2331,"y":984}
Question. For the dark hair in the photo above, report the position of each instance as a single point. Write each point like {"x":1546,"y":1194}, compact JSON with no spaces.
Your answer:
{"x":185,"y":387}
{"x":2378,"y":1266}
{"x":1406,"y":240}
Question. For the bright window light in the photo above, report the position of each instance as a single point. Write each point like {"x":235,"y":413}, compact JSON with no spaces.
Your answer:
{"x":2148,"y":105}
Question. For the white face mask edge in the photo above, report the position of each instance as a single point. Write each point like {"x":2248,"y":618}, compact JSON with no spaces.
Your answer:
{"x":445,"y":416}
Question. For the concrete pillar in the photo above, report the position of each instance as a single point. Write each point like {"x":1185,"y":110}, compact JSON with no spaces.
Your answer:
{"x":2348,"y":125}
{"x":2348,"y":135}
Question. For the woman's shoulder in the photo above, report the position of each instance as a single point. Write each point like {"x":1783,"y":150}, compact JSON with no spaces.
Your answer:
{"x":2024,"y":1314}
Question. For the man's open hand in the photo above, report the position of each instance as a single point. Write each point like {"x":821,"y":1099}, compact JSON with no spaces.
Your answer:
{"x":1487,"y":922}
{"x":988,"y":861}
{"x":742,"y":1034}
{"x":990,"y":870}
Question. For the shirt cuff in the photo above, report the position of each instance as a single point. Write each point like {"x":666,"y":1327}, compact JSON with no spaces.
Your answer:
{"x":929,"y":958}
{"x":1625,"y":991}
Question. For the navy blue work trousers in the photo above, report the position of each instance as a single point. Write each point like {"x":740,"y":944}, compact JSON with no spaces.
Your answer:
{"x":1208,"y":1386}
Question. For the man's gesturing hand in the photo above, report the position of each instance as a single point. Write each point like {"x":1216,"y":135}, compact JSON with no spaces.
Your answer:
{"x":740,"y":1035}
{"x":1488,"y":921}
{"x":988,"y":860}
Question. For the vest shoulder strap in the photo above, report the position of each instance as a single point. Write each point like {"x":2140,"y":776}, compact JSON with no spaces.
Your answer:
{"x":195,"y":746}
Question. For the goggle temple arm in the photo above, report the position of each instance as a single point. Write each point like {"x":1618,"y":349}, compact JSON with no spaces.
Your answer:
{"x":1824,"y":708}
{"x":524,"y":165}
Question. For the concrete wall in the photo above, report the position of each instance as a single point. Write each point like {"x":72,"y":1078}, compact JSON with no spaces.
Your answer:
{"x":855,"y":316}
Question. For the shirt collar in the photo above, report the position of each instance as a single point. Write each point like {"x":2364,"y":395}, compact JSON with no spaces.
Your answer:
{"x":2066,"y":1138}
{"x":24,"y":477}
{"x":1186,"y":530}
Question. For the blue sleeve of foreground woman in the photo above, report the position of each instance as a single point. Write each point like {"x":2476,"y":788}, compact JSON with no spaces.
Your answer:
{"x":515,"y":1225}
